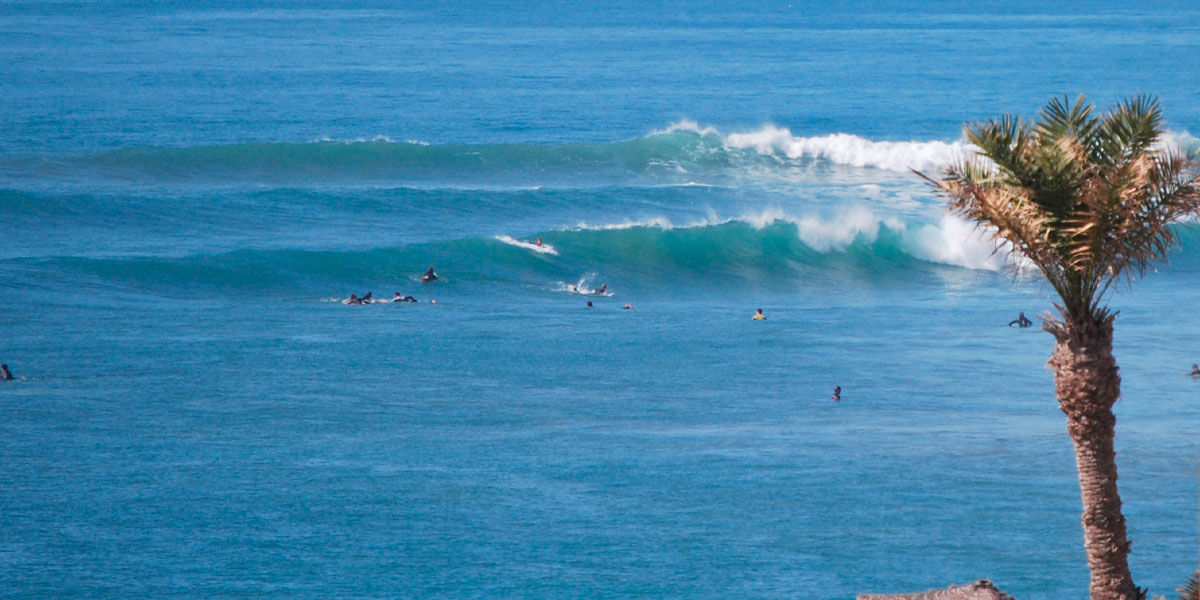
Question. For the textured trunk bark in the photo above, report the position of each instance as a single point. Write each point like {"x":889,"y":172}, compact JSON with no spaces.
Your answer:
{"x":1086,"y":379}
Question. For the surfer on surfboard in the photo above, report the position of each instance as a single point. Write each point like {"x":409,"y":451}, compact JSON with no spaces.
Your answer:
{"x":429,"y":276}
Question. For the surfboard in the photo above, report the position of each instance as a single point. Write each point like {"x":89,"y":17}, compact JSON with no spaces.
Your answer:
{"x":544,"y":248}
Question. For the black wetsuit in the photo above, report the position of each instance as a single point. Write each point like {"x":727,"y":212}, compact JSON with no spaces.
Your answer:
{"x":1021,"y":322}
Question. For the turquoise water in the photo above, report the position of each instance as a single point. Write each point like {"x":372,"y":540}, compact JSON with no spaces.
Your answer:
{"x":187,"y":193}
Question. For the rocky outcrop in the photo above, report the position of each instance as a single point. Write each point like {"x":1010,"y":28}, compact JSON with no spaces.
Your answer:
{"x":980,"y":590}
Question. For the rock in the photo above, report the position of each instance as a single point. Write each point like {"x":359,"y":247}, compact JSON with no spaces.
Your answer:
{"x":980,"y":590}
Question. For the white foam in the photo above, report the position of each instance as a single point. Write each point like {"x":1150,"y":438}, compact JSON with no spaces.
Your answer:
{"x":954,"y":241}
{"x":688,"y":125}
{"x":852,"y":150}
{"x":857,"y":223}
{"x":655,"y":222}
{"x":362,"y":140}
{"x":950,"y":241}
{"x":582,"y":288}
{"x":825,"y":235}
{"x":817,"y":233}
{"x":544,"y":248}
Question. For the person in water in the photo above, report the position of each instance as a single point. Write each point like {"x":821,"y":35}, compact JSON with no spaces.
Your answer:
{"x":1195,"y":371}
{"x":354,"y":299}
{"x":628,"y":307}
{"x":603,"y":288}
{"x":429,"y":275}
{"x":759,"y":316}
{"x":399,"y":298}
{"x":538,"y":242}
{"x":1020,"y":321}
{"x":367,"y":299}
{"x":5,"y":374}
{"x":837,"y":393}
{"x":589,"y":304}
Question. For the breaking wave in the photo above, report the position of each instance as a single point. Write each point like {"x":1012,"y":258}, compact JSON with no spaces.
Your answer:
{"x":764,"y":248}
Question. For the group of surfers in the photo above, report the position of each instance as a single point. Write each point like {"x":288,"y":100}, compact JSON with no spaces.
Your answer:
{"x":355,"y":300}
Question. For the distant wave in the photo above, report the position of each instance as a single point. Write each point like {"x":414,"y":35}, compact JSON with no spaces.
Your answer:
{"x":683,"y":154}
{"x":837,"y":148}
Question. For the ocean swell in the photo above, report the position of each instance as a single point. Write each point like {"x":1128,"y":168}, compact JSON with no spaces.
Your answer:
{"x":763,"y":248}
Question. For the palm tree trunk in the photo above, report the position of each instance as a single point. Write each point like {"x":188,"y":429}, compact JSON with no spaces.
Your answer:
{"x":1086,"y":379}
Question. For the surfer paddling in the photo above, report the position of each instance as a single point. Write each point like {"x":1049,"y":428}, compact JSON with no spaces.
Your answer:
{"x":429,"y":276}
{"x":399,"y":298}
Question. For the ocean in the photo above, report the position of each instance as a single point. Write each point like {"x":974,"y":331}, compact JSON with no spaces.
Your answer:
{"x":189,"y":191}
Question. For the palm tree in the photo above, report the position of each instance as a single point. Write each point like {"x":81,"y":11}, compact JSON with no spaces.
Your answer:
{"x":1088,"y":200}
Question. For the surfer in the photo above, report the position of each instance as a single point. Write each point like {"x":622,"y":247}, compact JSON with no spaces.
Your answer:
{"x":1195,"y":371}
{"x":837,"y":393}
{"x":367,"y":299}
{"x":354,"y":299}
{"x":603,"y":288}
{"x":399,"y":298}
{"x":5,"y":374}
{"x":589,"y":304}
{"x":538,"y":243}
{"x":759,"y":316}
{"x":1020,"y":321}
{"x":429,"y":276}
{"x":628,"y":307}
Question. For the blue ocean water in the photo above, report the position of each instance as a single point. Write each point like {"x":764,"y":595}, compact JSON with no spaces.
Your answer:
{"x":189,"y":190}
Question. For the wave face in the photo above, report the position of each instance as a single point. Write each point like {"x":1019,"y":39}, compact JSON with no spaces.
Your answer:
{"x":735,"y":252}
{"x":765,"y":250}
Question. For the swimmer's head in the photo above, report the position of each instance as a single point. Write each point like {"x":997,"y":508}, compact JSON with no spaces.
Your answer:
{"x":589,"y":303}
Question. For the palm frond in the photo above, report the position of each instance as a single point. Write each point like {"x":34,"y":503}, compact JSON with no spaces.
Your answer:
{"x":1191,"y":591}
{"x":1088,"y":200}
